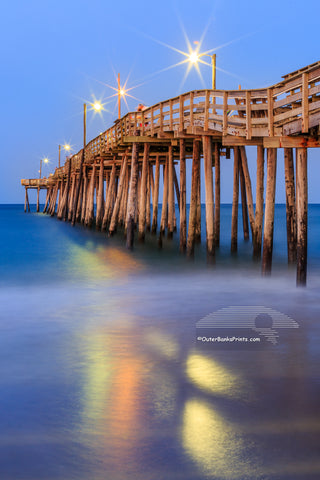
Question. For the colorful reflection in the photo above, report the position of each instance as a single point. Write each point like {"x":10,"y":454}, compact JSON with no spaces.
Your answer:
{"x":88,"y":262}
{"x":207,"y":374}
{"x":213,"y":443}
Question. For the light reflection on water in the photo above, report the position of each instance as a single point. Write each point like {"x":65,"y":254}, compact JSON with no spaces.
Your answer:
{"x":101,"y":376}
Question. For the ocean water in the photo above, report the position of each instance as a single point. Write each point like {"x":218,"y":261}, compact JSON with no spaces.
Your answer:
{"x":104,"y":374}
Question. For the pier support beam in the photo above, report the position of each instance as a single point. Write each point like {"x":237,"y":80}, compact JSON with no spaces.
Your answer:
{"x":77,"y":192}
{"x":47,"y":200}
{"x":244,"y":206}
{"x":246,"y":174}
{"x":109,"y":199}
{"x":170,"y":192}
{"x":290,"y":205}
{"x":269,"y":211}
{"x":133,"y":194}
{"x":115,"y":213}
{"x":217,"y":193}
{"x":182,"y":199}
{"x":38,"y":193}
{"x":194,"y":198}
{"x":100,"y":199}
{"x":302,"y":215}
{"x":143,"y":193}
{"x":155,"y":198}
{"x":164,"y":210}
{"x":259,"y":204}
{"x":208,"y":179}
{"x":26,"y":201}
{"x":235,"y":201}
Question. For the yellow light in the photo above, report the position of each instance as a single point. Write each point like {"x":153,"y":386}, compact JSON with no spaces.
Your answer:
{"x":193,"y":57}
{"x":97,"y":106}
{"x":46,"y":160}
{"x":66,"y":147}
{"x":122,"y":92}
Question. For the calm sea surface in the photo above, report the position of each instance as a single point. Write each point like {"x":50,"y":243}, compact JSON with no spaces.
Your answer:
{"x":103,"y":374}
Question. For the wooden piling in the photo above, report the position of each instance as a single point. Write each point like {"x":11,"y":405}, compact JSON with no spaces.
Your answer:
{"x":47,"y":200}
{"x":90,"y":199}
{"x":170,"y":192}
{"x":108,"y":203}
{"x":182,"y":199}
{"x":290,"y":205}
{"x":133,"y":193}
{"x":84,"y":194}
{"x":244,"y":206}
{"x":269,"y":211}
{"x":302,"y":215}
{"x":194,"y":198}
{"x":155,"y":198}
{"x":100,"y":199}
{"x":164,"y":210}
{"x":235,"y":201}
{"x":143,"y":192}
{"x":259,"y":204}
{"x":77,"y":191}
{"x":26,"y":201}
{"x":115,"y":213}
{"x":217,"y":193}
{"x":198,"y":222}
{"x":38,"y":193}
{"x":148,"y":206}
{"x":208,"y":180}
{"x":247,"y":180}
{"x":68,"y":215}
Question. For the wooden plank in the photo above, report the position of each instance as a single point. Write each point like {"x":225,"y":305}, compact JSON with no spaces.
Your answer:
{"x":291,"y":142}
{"x":305,"y":103}
{"x":270,"y":112}
{"x":248,"y":115}
{"x":232,"y":141}
{"x":145,"y":139}
{"x":225,"y":114}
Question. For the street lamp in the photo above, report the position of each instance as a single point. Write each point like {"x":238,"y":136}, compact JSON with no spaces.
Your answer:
{"x":97,"y":106}
{"x":194,"y":57}
{"x":121,"y":92}
{"x":66,"y":147}
{"x":44,"y":160}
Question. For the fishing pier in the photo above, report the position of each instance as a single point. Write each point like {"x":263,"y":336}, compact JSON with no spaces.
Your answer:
{"x":119,"y":171}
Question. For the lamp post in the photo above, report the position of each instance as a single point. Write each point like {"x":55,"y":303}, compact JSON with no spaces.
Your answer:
{"x":45,"y":160}
{"x":194,"y":58}
{"x":66,"y":147}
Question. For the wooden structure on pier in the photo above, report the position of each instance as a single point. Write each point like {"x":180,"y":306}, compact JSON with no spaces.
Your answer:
{"x":120,"y":169}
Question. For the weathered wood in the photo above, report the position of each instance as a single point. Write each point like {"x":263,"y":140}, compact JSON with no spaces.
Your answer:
{"x":290,"y":205}
{"x":148,"y":206}
{"x":244,"y":206}
{"x":100,"y":196}
{"x":77,"y":192}
{"x":170,"y":193}
{"x":305,"y":103}
{"x":53,"y":208}
{"x":235,"y":201}
{"x":164,"y":209}
{"x":90,"y":204}
{"x":259,"y":203}
{"x":198,"y":223}
{"x":47,"y":200}
{"x":155,"y":199}
{"x":38,"y":193}
{"x":108,"y":203}
{"x":194,"y":198}
{"x":84,"y":194}
{"x":176,"y":186}
{"x":143,"y":193}
{"x":182,"y":199}
{"x":208,"y":179}
{"x":133,"y":193}
{"x":115,"y":213}
{"x":269,"y":211}
{"x":302,"y":215}
{"x":26,"y":201}
{"x":217,"y":194}
{"x":247,"y":179}
{"x":70,"y":205}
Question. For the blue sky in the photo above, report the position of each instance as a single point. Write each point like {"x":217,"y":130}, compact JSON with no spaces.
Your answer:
{"x":57,"y":54}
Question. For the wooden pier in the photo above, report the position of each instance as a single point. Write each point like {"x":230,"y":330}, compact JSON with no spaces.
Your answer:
{"x":119,"y":171}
